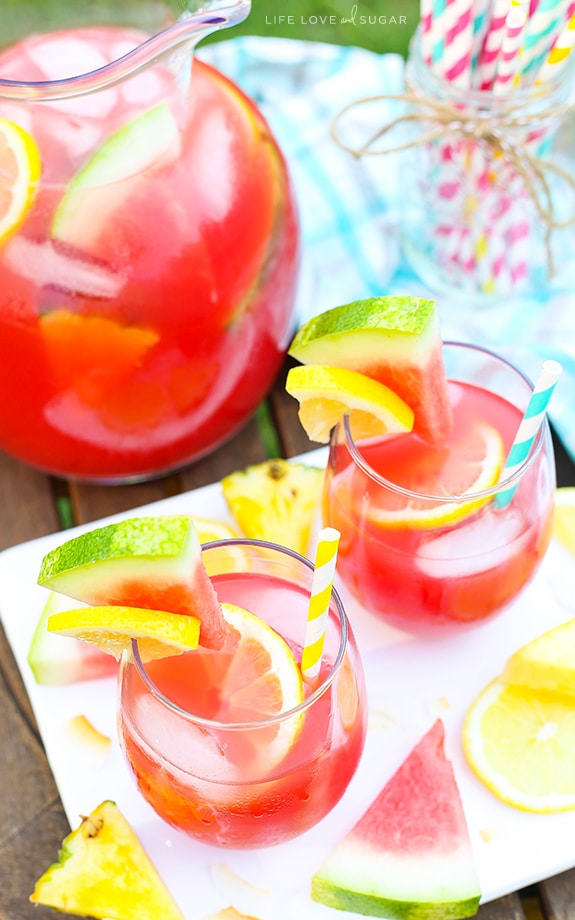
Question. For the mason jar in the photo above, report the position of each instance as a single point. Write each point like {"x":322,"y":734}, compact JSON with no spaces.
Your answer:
{"x":489,"y":199}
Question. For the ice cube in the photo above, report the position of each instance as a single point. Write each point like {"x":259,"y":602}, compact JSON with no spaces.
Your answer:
{"x":61,"y":58}
{"x":474,"y":546}
{"x":49,"y":263}
{"x":146,"y":87}
{"x":191,"y":748}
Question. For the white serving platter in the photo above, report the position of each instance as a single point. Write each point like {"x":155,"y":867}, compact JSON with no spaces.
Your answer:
{"x":410,"y":683}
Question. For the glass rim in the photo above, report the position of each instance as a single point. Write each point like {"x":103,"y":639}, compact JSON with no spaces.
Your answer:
{"x":306,"y":703}
{"x":463,"y":497}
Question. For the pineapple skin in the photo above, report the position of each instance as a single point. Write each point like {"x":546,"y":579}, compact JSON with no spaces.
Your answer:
{"x":276,"y":501}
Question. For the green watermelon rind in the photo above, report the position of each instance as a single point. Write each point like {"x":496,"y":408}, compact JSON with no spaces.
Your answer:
{"x":151,"y":562}
{"x":373,"y":905}
{"x":357,"y":331}
{"x":443,"y":886}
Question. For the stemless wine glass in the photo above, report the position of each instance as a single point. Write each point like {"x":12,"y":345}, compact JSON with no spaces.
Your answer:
{"x":423,"y":561}
{"x":257,"y":782}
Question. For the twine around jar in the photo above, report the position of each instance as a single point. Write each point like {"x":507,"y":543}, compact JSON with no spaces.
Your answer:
{"x":493,"y":130}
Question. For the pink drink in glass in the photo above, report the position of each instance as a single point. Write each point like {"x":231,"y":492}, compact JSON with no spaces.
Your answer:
{"x":422,"y":576}
{"x":232,"y":784}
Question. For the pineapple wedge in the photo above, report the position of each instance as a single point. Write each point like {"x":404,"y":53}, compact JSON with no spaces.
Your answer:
{"x":103,"y":872}
{"x":276,"y":501}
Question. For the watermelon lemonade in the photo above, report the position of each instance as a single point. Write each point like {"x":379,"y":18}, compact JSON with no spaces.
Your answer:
{"x":148,"y":278}
{"x":424,"y":545}
{"x":192,"y":726}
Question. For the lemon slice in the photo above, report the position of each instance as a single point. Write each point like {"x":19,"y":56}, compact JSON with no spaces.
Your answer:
{"x":470,"y":466}
{"x":159,"y":634}
{"x":20,"y":168}
{"x":263,"y":681}
{"x":326,"y":394}
{"x":521,"y":744}
{"x":210,"y":531}
{"x":564,"y":520}
{"x":546,"y":662}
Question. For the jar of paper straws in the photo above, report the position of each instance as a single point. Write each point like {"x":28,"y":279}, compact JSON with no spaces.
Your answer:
{"x":490,"y":195}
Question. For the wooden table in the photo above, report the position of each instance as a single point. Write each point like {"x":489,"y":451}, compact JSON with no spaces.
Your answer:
{"x":32,"y":821}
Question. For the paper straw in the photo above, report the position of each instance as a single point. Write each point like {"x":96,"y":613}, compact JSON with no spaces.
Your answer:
{"x":541,"y":32}
{"x":557,"y":57}
{"x":529,"y":427}
{"x":509,"y":57}
{"x":452,"y":40}
{"x":426,"y":19}
{"x":321,"y":588}
{"x":487,"y":63}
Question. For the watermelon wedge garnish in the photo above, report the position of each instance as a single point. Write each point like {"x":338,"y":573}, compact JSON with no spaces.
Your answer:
{"x":149,"y":562}
{"x":409,"y":857}
{"x":394,"y":340}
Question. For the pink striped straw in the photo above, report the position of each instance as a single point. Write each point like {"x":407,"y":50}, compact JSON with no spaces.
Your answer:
{"x":508,"y":61}
{"x":487,"y":63}
{"x":452,"y":40}
{"x":426,"y":20}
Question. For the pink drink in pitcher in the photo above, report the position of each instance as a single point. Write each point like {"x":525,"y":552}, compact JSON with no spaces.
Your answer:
{"x":146,"y":298}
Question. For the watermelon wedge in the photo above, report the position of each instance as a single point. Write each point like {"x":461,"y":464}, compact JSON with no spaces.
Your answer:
{"x":150,"y":562}
{"x":409,"y":857}
{"x":394,"y":340}
{"x":56,"y":660}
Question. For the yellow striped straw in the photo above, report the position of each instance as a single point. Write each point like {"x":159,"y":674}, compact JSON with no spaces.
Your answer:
{"x":321,"y":588}
{"x":559,"y":53}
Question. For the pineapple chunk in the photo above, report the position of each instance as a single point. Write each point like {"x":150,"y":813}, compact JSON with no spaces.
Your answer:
{"x":276,"y":501}
{"x":103,"y":872}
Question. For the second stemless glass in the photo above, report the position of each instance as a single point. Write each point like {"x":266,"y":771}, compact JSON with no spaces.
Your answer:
{"x":447,"y":569}
{"x":256,"y":783}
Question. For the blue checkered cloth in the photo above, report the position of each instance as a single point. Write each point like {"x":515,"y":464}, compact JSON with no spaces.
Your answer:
{"x":350,"y":207}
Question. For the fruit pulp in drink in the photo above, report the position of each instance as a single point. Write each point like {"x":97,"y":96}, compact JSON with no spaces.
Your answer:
{"x":219,"y":785}
{"x":141,"y":322}
{"x":419,"y":577}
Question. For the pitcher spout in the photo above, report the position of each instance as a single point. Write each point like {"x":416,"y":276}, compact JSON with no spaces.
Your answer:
{"x":173,"y":44}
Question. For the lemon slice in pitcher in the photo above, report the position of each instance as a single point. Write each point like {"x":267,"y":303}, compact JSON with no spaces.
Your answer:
{"x":20,"y":168}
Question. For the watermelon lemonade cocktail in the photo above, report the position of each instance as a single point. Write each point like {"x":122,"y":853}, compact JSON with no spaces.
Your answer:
{"x":425,"y":542}
{"x":148,"y":240}
{"x":199,"y":730}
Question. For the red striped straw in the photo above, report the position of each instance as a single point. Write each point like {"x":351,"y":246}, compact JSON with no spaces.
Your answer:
{"x":426,"y":19}
{"x":487,"y":63}
{"x":508,"y":62}
{"x":451,"y":40}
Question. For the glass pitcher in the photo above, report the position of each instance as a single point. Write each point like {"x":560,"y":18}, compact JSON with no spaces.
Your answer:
{"x":148,"y":239}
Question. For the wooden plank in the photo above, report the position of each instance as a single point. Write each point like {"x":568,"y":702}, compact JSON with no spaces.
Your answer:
{"x":506,"y":908}
{"x":24,"y":856}
{"x":90,"y":502}
{"x":26,"y":500}
{"x":242,"y":450}
{"x":557,"y":896}
{"x":284,"y":407}
{"x":28,"y":511}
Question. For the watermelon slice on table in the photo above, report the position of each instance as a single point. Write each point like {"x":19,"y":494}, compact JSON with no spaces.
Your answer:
{"x":409,"y":857}
{"x":150,"y":562}
{"x":394,"y":340}
{"x":56,"y":660}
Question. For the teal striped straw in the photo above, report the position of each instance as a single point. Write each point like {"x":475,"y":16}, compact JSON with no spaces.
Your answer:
{"x":529,"y":427}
